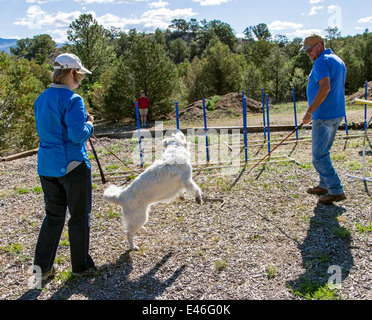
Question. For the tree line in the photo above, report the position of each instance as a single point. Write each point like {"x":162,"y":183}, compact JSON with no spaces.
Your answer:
{"x":188,"y":61}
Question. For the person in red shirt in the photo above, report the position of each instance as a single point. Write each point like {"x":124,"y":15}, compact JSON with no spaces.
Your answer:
{"x":143,"y":106}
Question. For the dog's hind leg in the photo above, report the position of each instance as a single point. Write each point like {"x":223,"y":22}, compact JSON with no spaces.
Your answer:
{"x":132,"y":246}
{"x":130,"y":236}
{"x":135,"y":221}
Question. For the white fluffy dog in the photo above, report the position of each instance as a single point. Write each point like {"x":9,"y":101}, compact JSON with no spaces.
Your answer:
{"x":160,"y":182}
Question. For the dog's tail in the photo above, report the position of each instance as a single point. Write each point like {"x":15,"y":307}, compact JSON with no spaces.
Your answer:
{"x":112,"y":194}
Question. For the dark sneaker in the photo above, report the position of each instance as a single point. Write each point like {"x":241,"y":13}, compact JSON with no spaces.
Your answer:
{"x":317,"y":190}
{"x":37,"y":281}
{"x":87,"y":272}
{"x":49,"y":274}
{"x":330,"y":198}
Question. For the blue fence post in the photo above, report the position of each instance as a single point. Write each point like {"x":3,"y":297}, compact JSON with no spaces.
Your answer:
{"x":206,"y":130}
{"x":139,"y":134}
{"x":245,"y":128}
{"x":295,"y":111}
{"x":346,"y":129}
{"x":365,"y":106}
{"x":263,"y":111}
{"x":268,"y":122}
{"x":177,"y":118}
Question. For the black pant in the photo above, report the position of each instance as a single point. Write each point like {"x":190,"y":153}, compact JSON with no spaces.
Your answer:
{"x":73,"y":192}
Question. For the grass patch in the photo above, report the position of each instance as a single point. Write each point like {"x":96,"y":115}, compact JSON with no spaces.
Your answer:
{"x":315,"y":291}
{"x":37,"y":189}
{"x":363,"y":229}
{"x":64,"y":240}
{"x":112,"y":167}
{"x":12,"y":248}
{"x":113,"y":215}
{"x":221,"y":265}
{"x":272,"y":272}
{"x":21,"y":191}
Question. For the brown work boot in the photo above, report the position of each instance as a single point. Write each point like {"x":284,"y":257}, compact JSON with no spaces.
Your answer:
{"x":317,"y":190}
{"x":330,"y":198}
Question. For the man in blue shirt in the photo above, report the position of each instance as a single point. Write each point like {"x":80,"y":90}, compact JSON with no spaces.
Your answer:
{"x":64,"y":126}
{"x":326,"y":98}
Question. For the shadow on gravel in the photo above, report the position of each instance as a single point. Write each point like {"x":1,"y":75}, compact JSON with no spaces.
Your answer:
{"x":112,"y":282}
{"x":326,"y":255}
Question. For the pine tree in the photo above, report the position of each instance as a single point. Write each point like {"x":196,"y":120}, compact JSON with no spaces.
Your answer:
{"x":91,"y":43}
{"x":145,"y":67}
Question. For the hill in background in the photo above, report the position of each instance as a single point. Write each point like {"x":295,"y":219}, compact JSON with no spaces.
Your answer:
{"x":5,"y":44}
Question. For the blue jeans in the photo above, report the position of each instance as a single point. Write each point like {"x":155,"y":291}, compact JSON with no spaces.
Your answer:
{"x":73,"y":192}
{"x":323,"y":136}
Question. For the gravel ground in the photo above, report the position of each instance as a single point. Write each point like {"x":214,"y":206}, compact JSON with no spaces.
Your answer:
{"x":269,"y":240}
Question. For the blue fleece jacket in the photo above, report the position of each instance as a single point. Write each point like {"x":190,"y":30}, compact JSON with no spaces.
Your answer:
{"x":62,"y":128}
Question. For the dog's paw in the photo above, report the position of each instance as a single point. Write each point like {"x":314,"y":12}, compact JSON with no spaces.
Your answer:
{"x":198,"y":200}
{"x":134,"y":248}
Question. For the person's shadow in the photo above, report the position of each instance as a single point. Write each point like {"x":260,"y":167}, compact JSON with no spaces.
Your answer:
{"x":325,"y":251}
{"x":112,"y":282}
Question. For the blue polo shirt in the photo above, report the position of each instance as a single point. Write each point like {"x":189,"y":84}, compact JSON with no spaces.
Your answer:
{"x":328,"y":65}
{"x":60,"y":116}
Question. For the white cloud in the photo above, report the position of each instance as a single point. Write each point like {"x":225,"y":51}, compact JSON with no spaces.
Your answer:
{"x":161,"y":18}
{"x":158,"y":4}
{"x":108,"y":1}
{"x":303,"y":33}
{"x":58,"y":23}
{"x":40,"y":1}
{"x":365,"y":20}
{"x":314,"y":10}
{"x":360,"y":28}
{"x":211,"y":2}
{"x":37,"y":18}
{"x":315,"y":1}
{"x":111,"y":20}
{"x":284,"y":25}
{"x":240,"y":35}
{"x":58,"y":35}
{"x":151,"y":19}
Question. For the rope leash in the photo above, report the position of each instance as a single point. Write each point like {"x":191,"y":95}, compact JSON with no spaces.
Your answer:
{"x":298,"y":128}
{"x":98,"y":163}
{"x":103,"y":179}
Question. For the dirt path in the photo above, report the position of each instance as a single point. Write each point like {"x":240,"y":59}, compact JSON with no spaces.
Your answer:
{"x":270,"y":240}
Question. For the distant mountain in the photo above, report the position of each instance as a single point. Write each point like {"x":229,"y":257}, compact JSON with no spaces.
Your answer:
{"x":5,"y":44}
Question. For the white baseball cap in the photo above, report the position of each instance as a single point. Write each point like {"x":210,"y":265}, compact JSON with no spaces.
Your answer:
{"x":70,"y":61}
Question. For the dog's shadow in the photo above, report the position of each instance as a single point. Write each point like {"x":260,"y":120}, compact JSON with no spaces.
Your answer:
{"x":112,"y":282}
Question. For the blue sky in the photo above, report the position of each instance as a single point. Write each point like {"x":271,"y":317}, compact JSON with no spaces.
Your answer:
{"x":27,"y":18}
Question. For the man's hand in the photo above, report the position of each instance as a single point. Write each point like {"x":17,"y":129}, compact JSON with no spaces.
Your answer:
{"x":324,"y":88}
{"x":307,"y":118}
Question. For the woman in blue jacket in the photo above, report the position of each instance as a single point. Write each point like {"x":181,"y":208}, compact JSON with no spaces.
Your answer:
{"x":64,"y":126}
